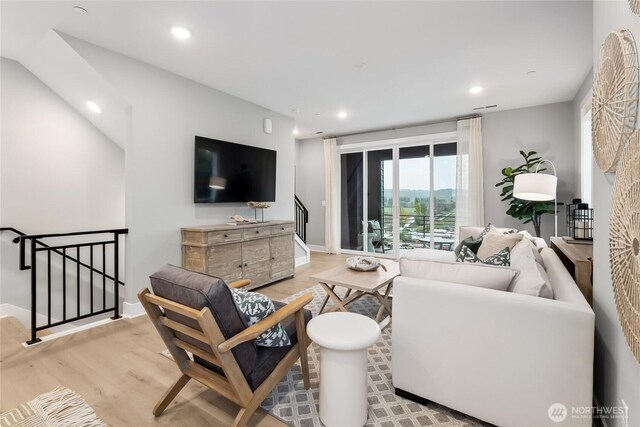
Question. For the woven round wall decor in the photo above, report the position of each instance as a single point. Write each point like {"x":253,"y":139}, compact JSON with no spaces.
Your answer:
{"x":635,"y":6}
{"x":624,"y":243}
{"x":615,"y":99}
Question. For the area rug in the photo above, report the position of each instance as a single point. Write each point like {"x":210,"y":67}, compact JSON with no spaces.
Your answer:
{"x":298,"y":407}
{"x":58,"y":408}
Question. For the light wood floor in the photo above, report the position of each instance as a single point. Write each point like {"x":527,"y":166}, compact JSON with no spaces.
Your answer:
{"x":118,"y":369}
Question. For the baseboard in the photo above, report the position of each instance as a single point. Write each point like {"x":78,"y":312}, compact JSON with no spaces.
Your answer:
{"x":302,"y":261}
{"x":22,"y":315}
{"x":317,"y":248}
{"x":132,"y":310}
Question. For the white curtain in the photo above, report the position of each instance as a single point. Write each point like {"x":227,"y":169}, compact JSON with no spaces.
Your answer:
{"x":331,"y":188}
{"x":469,"y":174}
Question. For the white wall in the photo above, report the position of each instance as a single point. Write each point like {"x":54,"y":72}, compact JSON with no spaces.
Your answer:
{"x":617,"y":373}
{"x":167,"y":112}
{"x":547,"y":129}
{"x":58,"y":172}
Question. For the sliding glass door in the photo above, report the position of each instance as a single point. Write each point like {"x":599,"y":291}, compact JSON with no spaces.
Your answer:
{"x":398,"y":197}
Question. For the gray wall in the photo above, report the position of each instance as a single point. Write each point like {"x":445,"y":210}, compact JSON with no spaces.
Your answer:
{"x":547,"y":129}
{"x":617,"y":373}
{"x":310,"y":186}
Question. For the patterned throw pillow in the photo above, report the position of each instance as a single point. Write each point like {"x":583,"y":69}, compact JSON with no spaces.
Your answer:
{"x":473,"y":244}
{"x":256,"y":307}
{"x":502,"y":258}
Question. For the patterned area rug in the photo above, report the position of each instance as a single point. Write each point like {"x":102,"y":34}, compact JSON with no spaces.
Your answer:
{"x":298,"y":407}
{"x":58,"y":408}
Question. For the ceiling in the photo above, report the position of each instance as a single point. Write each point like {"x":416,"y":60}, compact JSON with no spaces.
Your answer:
{"x":388,"y":64}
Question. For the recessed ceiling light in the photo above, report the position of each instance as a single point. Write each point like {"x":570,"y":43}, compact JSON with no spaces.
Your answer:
{"x":476,"y":90}
{"x":342,"y":115}
{"x":180,"y":33}
{"x":80,"y":10}
{"x":295,"y":131}
{"x":94,"y":107}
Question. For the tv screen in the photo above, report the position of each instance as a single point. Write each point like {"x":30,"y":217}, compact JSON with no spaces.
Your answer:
{"x":226,"y":172}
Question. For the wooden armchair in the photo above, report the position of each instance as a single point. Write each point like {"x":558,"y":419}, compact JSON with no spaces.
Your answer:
{"x":195,"y":313}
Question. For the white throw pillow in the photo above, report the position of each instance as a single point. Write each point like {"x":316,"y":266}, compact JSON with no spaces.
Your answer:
{"x":481,"y":275}
{"x":538,"y":242}
{"x":495,"y":241}
{"x":532,"y":279}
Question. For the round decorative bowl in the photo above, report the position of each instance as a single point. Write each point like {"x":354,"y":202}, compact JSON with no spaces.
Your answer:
{"x":364,"y":263}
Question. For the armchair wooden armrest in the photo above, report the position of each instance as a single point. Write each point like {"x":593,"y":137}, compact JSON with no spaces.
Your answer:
{"x":239,"y":283}
{"x":253,"y":331}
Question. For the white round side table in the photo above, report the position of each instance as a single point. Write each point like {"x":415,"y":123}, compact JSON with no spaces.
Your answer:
{"x":343,"y":339}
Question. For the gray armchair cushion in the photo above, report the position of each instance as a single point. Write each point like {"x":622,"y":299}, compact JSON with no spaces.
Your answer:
{"x":268,"y":357}
{"x":197,"y":290}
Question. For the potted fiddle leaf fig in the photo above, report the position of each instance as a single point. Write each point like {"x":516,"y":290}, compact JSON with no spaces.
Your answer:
{"x":524,"y":210}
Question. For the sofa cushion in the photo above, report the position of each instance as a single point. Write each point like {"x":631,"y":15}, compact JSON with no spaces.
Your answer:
{"x":500,"y":258}
{"x":495,"y":241}
{"x":481,"y":275}
{"x":197,"y":290}
{"x":255,"y":307}
{"x":532,"y":279}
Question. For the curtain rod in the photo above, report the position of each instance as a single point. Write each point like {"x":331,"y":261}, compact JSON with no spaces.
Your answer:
{"x":472,"y":116}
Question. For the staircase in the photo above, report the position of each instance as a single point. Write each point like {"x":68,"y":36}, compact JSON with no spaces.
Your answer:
{"x":303,"y":253}
{"x":68,"y":277}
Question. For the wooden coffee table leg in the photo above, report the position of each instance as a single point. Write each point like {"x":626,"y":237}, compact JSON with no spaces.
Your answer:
{"x":335,"y":298}
{"x":326,"y":299}
{"x":384,"y":306}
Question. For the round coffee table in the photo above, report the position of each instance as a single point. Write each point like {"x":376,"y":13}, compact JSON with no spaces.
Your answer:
{"x":343,"y":339}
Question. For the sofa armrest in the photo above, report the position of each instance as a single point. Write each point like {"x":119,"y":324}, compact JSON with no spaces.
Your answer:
{"x":496,"y":355}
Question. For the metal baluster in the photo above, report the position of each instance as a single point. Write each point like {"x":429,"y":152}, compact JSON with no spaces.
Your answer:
{"x":49,"y":287}
{"x":91,"y":276}
{"x":64,"y":284}
{"x":34,"y":339}
{"x":104,"y":276}
{"x":78,"y":280}
{"x":116,"y":267}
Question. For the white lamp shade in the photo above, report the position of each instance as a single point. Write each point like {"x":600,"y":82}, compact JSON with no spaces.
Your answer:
{"x":538,"y":187}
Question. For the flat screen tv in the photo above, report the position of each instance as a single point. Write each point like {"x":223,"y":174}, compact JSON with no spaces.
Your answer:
{"x":225,"y":172}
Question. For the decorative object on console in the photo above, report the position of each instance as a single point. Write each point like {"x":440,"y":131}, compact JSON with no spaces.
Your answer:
{"x":364,"y":263}
{"x":239,"y":219}
{"x":615,"y":98}
{"x":258,"y":205}
{"x":579,"y":220}
{"x":635,"y":7}
{"x":624,"y":242}
{"x":538,"y":187}
{"x":527,"y":210}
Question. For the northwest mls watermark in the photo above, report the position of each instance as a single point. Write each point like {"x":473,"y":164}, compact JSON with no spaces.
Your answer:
{"x":559,"y":412}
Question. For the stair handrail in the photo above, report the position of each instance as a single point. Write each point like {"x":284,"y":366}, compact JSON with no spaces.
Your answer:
{"x":22,"y":237}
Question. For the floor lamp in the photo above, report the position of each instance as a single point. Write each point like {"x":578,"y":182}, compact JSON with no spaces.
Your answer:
{"x":538,"y":187}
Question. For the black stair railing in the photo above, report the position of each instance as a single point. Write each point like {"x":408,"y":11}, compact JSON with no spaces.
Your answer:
{"x":97,"y":253}
{"x":302,"y":218}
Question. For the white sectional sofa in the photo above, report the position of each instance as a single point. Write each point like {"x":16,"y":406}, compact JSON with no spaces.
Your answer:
{"x":499,"y":356}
